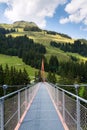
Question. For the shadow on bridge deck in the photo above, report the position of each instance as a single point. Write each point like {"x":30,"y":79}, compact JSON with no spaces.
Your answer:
{"x":42,"y":114}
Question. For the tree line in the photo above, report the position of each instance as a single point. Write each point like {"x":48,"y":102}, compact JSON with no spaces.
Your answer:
{"x":15,"y":79}
{"x":74,"y":71}
{"x":23,"y":47}
{"x":77,"y":47}
{"x":6,"y":31}
{"x":32,"y":28}
{"x":12,"y":76}
{"x":55,"y":33}
{"x":71,"y":71}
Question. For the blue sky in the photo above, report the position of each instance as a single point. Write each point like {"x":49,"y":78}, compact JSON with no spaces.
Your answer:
{"x":63,"y":16}
{"x":72,"y":29}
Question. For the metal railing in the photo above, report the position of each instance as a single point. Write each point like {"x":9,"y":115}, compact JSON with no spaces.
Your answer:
{"x":72,"y":108}
{"x":13,"y":105}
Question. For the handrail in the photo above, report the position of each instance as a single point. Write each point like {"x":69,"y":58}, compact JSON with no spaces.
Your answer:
{"x":76,"y":96}
{"x":3,"y":97}
{"x":71,"y":107}
{"x":13,"y":106}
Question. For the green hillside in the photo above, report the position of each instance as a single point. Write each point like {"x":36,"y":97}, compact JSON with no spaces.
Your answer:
{"x":17,"y":63}
{"x":44,"y":38}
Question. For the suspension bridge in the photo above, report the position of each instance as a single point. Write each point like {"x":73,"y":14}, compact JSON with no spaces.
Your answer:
{"x":42,"y":106}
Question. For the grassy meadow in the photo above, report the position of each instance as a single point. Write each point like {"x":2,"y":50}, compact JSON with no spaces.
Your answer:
{"x":45,"y":39}
{"x":17,"y":63}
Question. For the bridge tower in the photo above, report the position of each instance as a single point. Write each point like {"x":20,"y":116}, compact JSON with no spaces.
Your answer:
{"x":42,"y":71}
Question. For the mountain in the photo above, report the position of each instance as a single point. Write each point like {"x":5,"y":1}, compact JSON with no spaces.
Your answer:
{"x":83,"y":41}
{"x":31,"y":26}
{"x":43,"y":37}
{"x":22,"y":24}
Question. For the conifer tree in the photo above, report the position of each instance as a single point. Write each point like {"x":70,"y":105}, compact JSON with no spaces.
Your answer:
{"x":53,"y":64}
{"x":7,"y":75}
{"x":1,"y":75}
{"x":26,"y":78}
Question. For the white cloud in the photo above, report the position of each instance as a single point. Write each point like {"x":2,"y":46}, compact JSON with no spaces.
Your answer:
{"x":64,"y":20}
{"x":3,"y":1}
{"x":77,"y":11}
{"x":31,"y":10}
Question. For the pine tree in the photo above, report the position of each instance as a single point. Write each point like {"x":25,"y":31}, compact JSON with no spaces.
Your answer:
{"x":1,"y":75}
{"x":36,"y":76}
{"x":53,"y":64}
{"x":51,"y":77}
{"x":26,"y":79}
{"x":54,"y":80}
{"x":7,"y":75}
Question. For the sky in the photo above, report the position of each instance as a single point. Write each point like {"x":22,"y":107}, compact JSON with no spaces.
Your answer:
{"x":63,"y":16}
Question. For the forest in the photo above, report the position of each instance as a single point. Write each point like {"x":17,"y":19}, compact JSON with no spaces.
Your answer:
{"x":71,"y":70}
{"x":61,"y":34}
{"x":34,"y":28}
{"x":6,"y":31}
{"x":76,"y":47}
{"x":32,"y":53}
{"x":13,"y":77}
{"x":24,"y":48}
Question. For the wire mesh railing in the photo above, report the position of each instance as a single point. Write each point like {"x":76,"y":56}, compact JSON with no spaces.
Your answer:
{"x":72,"y":108}
{"x":13,"y":106}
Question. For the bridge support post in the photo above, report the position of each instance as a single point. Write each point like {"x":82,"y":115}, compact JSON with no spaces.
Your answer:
{"x":63,"y":94}
{"x":28,"y":95}
{"x":26,"y":98}
{"x":18,"y":105}
{"x":57,"y":98}
{"x":78,"y":114}
{"x":55,"y":94}
{"x":2,"y":114}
